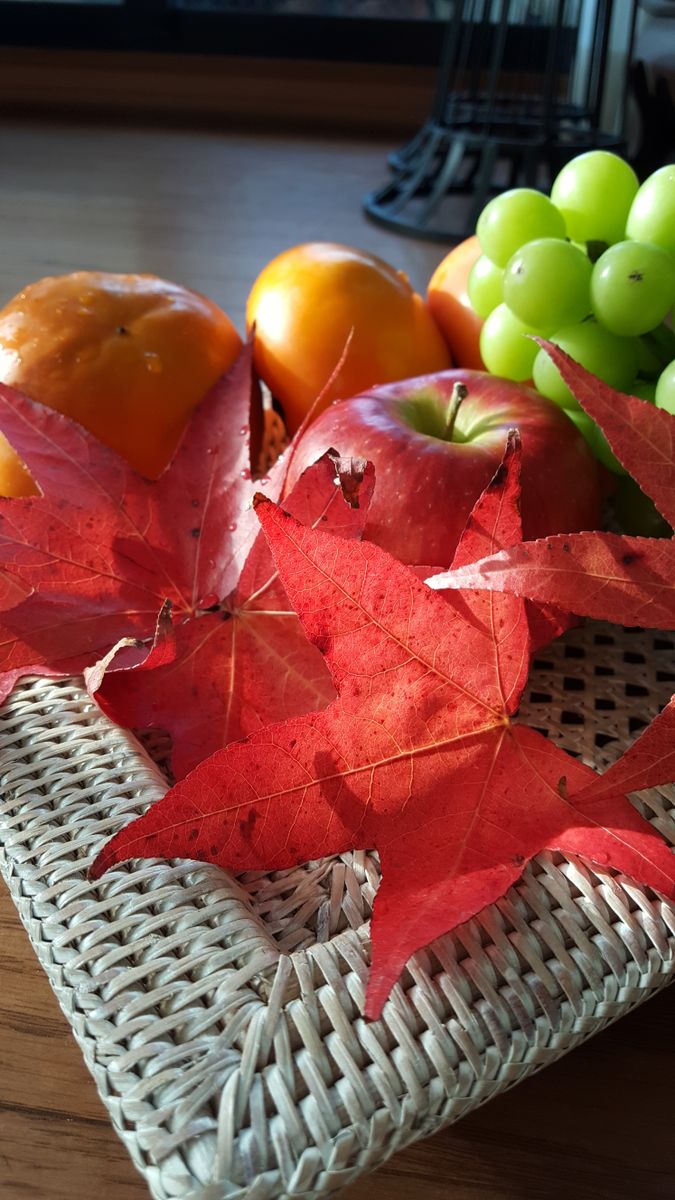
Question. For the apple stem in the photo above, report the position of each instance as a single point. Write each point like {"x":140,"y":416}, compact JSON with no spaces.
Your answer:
{"x":459,"y":393}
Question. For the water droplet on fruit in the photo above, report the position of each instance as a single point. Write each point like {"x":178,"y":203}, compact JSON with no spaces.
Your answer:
{"x":245,"y":474}
{"x":265,"y":479}
{"x":153,"y":363}
{"x":210,"y":450}
{"x":601,"y":856}
{"x":232,"y":526}
{"x":243,"y":431}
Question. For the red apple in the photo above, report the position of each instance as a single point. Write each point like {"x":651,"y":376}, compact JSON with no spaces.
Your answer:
{"x":428,"y":476}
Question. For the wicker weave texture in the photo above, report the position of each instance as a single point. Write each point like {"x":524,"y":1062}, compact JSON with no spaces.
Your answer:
{"x":221,"y":1018}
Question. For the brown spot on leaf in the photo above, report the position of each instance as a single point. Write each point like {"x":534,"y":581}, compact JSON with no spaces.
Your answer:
{"x":247,"y":825}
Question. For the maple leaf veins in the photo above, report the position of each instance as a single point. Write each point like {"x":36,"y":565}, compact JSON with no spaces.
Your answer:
{"x":418,"y":755}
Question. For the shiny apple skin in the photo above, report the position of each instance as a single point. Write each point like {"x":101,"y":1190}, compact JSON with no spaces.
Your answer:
{"x":426,"y":487}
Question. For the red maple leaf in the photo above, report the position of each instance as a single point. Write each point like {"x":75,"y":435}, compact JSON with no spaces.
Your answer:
{"x":418,"y":756}
{"x":102,"y":551}
{"x":102,"y":548}
{"x":212,"y":680}
{"x":629,"y":580}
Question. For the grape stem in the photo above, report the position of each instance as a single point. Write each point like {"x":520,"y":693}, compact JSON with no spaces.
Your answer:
{"x":459,"y":393}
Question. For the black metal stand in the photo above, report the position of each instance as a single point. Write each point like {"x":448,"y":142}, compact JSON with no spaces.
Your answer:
{"x":500,"y":117}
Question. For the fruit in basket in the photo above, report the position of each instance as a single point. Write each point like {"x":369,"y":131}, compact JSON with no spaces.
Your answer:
{"x":594,"y":193}
{"x":307,"y":301}
{"x":128,"y":356}
{"x":516,"y":217}
{"x":485,"y":286}
{"x":454,"y":309}
{"x":530,"y":293}
{"x":506,"y":345}
{"x":664,"y":395}
{"x":431,"y":465}
{"x":594,"y":285}
{"x":652,"y":214}
{"x":613,"y":359}
{"x":633,"y":287}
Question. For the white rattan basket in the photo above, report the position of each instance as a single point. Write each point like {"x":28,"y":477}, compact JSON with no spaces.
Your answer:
{"x":221,"y":1019}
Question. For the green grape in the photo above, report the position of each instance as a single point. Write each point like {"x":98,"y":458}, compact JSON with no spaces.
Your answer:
{"x":516,"y":217}
{"x":596,"y":440}
{"x":485,"y":286}
{"x":633,"y":287}
{"x":652,"y":214}
{"x":594,"y":193}
{"x":547,"y":283}
{"x":665,"y":389}
{"x":504,"y":346}
{"x":612,"y":359}
{"x":645,"y":389}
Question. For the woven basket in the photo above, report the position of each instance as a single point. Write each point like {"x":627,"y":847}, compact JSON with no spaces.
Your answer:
{"x":221,"y":1018}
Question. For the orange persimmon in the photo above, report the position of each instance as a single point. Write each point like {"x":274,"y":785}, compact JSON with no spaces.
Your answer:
{"x":128,"y":356}
{"x":450,"y":305}
{"x":304,"y":305}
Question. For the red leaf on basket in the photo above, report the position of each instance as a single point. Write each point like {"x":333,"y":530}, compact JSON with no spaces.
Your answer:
{"x":417,"y":756}
{"x":102,"y":548}
{"x":629,"y":580}
{"x":213,"y":680}
{"x":94,"y":559}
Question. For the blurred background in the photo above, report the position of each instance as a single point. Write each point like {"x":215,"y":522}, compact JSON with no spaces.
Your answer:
{"x":448,"y":101}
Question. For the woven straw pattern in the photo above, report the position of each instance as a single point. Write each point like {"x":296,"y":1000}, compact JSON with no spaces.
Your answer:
{"x":221,"y":1018}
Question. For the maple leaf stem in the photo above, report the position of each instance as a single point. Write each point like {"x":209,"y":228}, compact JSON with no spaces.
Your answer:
{"x":459,"y":393}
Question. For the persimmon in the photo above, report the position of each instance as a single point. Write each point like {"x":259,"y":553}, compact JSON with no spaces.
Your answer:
{"x":304,"y":305}
{"x":449,"y":303}
{"x":128,"y":356}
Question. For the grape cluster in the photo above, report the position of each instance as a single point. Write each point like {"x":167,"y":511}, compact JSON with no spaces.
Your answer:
{"x":593,"y":269}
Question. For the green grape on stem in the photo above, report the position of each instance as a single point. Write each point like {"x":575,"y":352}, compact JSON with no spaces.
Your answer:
{"x":652,"y":214}
{"x":485,"y":286}
{"x":594,"y":193}
{"x":516,"y":217}
{"x":633,"y":287}
{"x":596,"y":440}
{"x":547,"y":283}
{"x":611,"y":358}
{"x":505,"y":346}
{"x":665,"y":389}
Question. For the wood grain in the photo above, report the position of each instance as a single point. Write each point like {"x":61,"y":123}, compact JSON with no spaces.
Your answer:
{"x":209,"y":210}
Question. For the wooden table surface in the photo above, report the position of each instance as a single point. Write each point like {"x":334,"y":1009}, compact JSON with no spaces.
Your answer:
{"x":208,"y":210}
